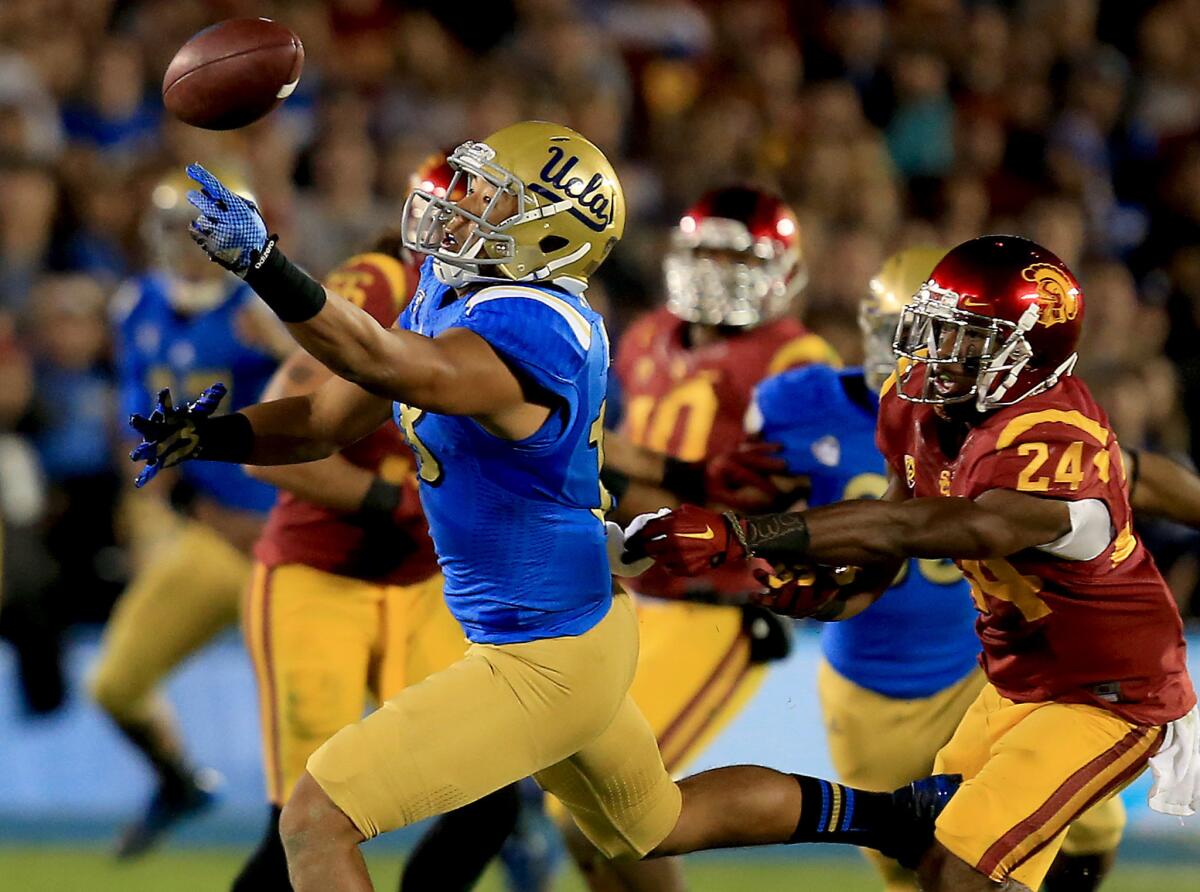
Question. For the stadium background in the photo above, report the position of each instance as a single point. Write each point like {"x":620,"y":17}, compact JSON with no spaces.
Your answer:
{"x":1074,"y":122}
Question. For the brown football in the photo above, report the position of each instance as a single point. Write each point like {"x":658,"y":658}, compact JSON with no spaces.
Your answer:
{"x":232,"y":73}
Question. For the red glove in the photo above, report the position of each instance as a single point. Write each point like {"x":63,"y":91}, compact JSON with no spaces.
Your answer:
{"x":797,"y":592}
{"x":688,"y":541}
{"x":742,"y":478}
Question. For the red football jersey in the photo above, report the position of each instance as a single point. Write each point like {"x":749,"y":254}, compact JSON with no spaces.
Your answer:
{"x":301,"y":532}
{"x":1105,"y":631}
{"x":690,"y":402}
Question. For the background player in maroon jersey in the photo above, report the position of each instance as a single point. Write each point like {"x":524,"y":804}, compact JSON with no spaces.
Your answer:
{"x":1000,"y":459}
{"x":686,"y":372}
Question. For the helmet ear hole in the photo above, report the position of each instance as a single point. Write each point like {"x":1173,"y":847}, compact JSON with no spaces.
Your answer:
{"x":551,"y":243}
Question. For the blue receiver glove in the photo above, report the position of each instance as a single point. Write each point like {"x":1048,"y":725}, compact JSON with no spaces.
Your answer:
{"x":230,"y":228}
{"x":169,"y":434}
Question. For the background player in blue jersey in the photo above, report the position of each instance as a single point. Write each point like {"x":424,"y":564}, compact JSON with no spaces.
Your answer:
{"x":897,"y":678}
{"x":181,"y":325}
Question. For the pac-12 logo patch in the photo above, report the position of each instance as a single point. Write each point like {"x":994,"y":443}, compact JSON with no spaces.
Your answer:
{"x":910,"y":471}
{"x":827,"y":451}
{"x":1057,"y":297}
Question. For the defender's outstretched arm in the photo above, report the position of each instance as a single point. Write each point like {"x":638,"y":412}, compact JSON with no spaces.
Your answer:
{"x":856,"y":533}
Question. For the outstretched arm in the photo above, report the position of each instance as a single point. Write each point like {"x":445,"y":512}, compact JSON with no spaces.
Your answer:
{"x":456,"y":373}
{"x":860,"y":533}
{"x":282,"y":432}
{"x":998,"y":523}
{"x":332,"y":482}
{"x":311,"y":426}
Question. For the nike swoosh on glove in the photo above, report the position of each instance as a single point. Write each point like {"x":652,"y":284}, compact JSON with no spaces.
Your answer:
{"x":688,"y":541}
{"x":170,"y":434}
{"x":230,"y":228}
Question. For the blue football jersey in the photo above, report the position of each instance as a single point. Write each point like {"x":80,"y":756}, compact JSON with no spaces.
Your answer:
{"x":920,"y":637}
{"x":518,"y":525}
{"x":159,"y":347}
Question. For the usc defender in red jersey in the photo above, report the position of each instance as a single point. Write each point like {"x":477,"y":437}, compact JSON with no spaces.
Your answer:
{"x":1103,"y":631}
{"x":1000,"y":460}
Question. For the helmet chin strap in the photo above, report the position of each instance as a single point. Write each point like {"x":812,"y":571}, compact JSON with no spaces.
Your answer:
{"x":454,"y":276}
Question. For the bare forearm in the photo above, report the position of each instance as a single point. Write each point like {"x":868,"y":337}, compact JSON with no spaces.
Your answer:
{"x":332,"y":482}
{"x":400,"y":365}
{"x":863,"y":532}
{"x":286,"y":432}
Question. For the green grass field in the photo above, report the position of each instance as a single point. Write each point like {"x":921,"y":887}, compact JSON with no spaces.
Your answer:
{"x":61,"y":869}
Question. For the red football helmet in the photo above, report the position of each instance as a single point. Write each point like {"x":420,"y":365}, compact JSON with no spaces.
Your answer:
{"x":997,"y":322}
{"x":433,"y":175}
{"x":735,"y":259}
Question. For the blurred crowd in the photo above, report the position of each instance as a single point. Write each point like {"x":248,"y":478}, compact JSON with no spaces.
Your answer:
{"x":886,"y":124}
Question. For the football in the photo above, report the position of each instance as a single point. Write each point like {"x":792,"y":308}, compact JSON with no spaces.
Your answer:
{"x":232,"y":73}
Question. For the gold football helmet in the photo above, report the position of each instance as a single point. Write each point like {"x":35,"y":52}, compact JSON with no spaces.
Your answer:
{"x":556,"y":213}
{"x":900,"y":277}
{"x":197,"y":284}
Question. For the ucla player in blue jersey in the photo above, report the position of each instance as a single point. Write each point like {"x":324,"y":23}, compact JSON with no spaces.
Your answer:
{"x":180,"y":325}
{"x":896,"y":679}
{"x":496,"y":373}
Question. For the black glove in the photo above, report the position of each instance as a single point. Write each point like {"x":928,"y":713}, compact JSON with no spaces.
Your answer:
{"x":171,"y":434}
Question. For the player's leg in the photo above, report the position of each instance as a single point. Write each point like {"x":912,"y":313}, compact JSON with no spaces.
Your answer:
{"x":174,"y":606}
{"x":419,"y":636}
{"x":880,"y":743}
{"x":309,"y":635}
{"x":501,"y":713}
{"x":623,"y":800}
{"x":696,"y":670}
{"x":1043,"y":765}
{"x":619,"y":793}
{"x":1089,"y":850}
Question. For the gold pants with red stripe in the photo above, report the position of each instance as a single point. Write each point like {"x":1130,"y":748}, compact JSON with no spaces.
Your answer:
{"x":1029,"y":770}
{"x":693,"y":674}
{"x":322,"y":645}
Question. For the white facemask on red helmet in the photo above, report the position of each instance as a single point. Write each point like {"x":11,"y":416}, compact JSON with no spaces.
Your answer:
{"x":735,"y":259}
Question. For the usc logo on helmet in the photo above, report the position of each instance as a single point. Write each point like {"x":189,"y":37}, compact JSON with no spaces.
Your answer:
{"x":1057,"y":297}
